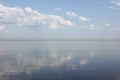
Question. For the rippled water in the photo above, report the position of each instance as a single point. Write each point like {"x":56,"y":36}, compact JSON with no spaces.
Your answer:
{"x":60,"y":60}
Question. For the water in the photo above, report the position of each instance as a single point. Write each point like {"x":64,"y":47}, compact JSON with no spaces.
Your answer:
{"x":59,"y":60}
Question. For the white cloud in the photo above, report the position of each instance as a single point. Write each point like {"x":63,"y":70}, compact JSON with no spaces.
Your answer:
{"x":116,"y":2}
{"x":71,"y":14}
{"x":91,"y":26}
{"x":81,"y":18}
{"x":54,"y":25}
{"x":57,"y":9}
{"x":28,"y":17}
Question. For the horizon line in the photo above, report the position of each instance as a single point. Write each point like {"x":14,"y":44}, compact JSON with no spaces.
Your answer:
{"x":64,"y":40}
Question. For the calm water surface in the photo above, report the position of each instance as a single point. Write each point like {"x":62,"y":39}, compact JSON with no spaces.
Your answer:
{"x":59,"y":60}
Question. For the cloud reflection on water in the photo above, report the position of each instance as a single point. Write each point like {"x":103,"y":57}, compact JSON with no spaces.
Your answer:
{"x":78,"y":58}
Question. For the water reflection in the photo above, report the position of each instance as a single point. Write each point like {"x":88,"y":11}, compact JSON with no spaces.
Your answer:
{"x":1,"y":51}
{"x":83,"y":62}
{"x":60,"y":60}
{"x":28,"y":63}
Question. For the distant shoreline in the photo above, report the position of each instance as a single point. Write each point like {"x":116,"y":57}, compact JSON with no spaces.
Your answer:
{"x":67,"y":40}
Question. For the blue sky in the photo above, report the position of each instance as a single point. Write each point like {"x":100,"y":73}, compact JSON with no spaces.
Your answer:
{"x":59,"y":19}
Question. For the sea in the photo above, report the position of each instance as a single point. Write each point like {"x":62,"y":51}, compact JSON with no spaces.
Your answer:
{"x":60,"y":60}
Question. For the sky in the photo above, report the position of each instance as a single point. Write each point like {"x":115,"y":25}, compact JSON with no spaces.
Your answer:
{"x":59,"y":19}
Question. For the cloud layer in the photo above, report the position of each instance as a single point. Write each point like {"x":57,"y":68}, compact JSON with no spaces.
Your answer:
{"x":27,"y":17}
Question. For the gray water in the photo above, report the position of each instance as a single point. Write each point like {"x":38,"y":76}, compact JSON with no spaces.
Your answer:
{"x":59,"y":60}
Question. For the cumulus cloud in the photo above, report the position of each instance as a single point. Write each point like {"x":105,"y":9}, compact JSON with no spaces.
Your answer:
{"x":71,"y":14}
{"x":28,"y":17}
{"x":82,"y":18}
{"x":57,"y":9}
